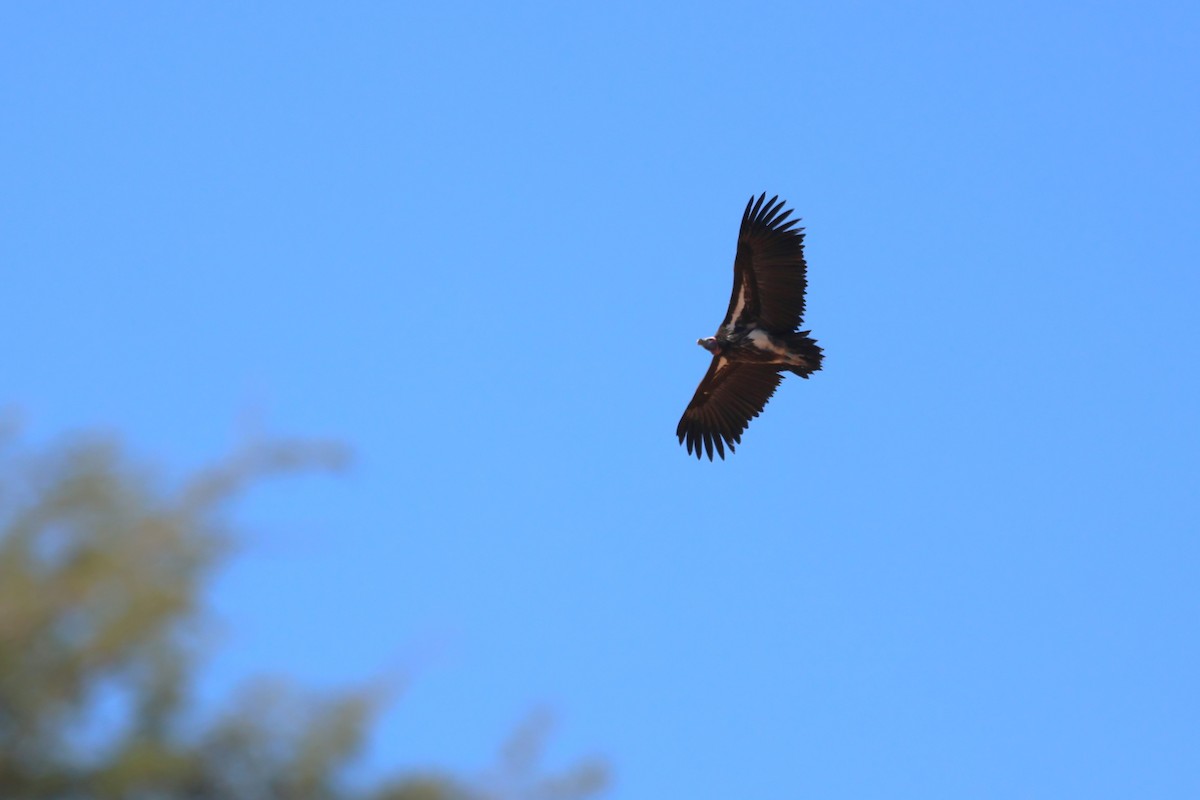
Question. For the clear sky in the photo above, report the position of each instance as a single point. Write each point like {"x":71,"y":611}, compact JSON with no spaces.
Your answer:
{"x":478,"y":241}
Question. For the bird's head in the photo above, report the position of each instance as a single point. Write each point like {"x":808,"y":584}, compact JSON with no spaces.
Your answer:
{"x":711,"y":345}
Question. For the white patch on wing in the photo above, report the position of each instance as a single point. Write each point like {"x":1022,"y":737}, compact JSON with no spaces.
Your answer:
{"x":764,"y":342}
{"x":722,"y":363}
{"x":740,"y":306}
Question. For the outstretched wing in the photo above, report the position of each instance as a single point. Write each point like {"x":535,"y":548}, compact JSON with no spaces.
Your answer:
{"x":730,"y":395}
{"x":768,"y":270}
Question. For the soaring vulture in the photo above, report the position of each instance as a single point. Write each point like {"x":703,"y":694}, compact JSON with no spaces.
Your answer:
{"x":759,"y":339}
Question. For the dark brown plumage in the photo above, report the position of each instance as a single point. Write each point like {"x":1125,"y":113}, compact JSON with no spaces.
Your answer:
{"x":759,"y":338}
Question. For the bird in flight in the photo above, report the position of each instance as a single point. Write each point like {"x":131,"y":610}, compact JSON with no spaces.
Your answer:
{"x":760,"y":337}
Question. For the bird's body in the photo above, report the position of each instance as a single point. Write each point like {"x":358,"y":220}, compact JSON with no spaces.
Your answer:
{"x":759,"y":338}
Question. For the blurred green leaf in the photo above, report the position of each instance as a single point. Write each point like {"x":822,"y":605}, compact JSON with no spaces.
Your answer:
{"x":102,"y":571}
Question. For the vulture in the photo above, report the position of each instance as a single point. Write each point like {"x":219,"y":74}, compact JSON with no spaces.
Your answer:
{"x":759,"y":340}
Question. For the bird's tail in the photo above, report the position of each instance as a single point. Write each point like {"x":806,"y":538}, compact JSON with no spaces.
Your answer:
{"x":804,"y":346}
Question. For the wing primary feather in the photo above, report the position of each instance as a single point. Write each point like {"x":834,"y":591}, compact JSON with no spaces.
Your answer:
{"x":767,"y":218}
{"x":757,"y":205}
{"x":749,"y":205}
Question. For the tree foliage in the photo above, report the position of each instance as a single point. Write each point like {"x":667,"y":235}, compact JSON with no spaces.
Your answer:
{"x":102,"y":572}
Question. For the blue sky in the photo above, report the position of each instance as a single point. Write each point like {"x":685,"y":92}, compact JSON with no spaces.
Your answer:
{"x":477,"y":242}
